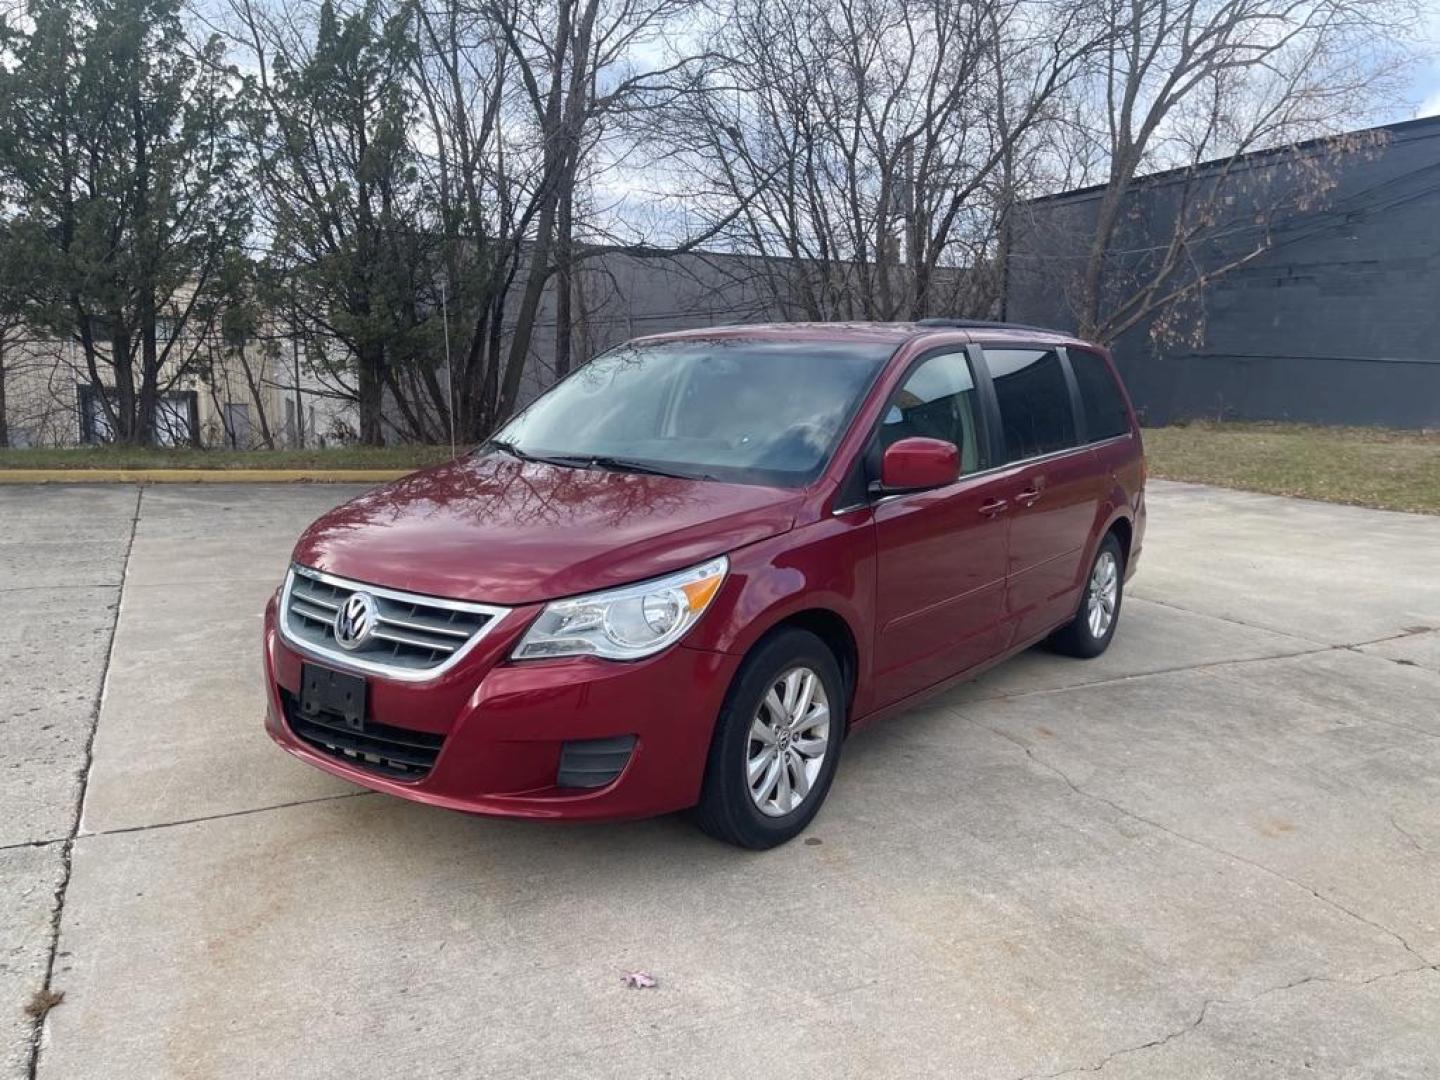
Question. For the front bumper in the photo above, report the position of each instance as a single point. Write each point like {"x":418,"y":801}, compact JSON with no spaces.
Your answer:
{"x":504,"y":726}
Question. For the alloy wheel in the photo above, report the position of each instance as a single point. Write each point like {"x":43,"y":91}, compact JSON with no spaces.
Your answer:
{"x":789,"y":736}
{"x":1103,"y":594}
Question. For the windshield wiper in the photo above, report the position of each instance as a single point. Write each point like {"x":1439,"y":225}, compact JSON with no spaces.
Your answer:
{"x":619,"y":464}
{"x":509,"y":448}
{"x":524,"y":455}
{"x":594,"y":461}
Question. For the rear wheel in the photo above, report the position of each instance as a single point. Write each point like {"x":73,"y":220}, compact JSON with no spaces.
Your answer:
{"x":776,"y":744}
{"x":1089,"y":633}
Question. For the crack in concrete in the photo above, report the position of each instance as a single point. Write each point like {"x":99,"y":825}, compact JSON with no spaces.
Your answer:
{"x":58,"y":588}
{"x":226,"y":814}
{"x":1179,"y":669}
{"x":32,"y":843}
{"x":1407,"y":834}
{"x":1231,"y":619}
{"x":1210,"y":666}
{"x":1330,"y":901}
{"x":1209,"y":1003}
{"x":268,"y":579}
{"x":87,"y":761}
{"x":1126,"y":1050}
{"x":1408,"y":632}
{"x":1401,"y":635}
{"x":1404,"y":661}
{"x":1318,"y":648}
{"x":1399,"y":725}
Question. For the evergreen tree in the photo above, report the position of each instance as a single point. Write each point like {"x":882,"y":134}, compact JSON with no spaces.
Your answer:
{"x":342,"y":196}
{"x":120,"y":149}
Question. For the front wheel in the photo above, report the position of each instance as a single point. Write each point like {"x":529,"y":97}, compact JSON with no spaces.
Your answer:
{"x":776,"y":744}
{"x":1089,"y":633}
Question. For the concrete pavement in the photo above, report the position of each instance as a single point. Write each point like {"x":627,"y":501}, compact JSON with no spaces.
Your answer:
{"x":1214,"y":851}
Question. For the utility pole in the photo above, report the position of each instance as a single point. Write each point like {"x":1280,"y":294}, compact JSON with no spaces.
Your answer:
{"x":295,"y":358}
{"x":912,"y":235}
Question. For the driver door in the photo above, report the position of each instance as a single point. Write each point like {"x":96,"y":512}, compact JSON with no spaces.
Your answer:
{"x":940,"y":554}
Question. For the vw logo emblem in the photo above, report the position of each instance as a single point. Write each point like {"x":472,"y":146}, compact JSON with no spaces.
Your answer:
{"x":355,"y":620}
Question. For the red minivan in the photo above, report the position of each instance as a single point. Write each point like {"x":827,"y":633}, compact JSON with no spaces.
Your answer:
{"x":683,"y":575}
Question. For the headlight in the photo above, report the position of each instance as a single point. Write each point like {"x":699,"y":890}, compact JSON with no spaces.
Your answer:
{"x":627,"y":623}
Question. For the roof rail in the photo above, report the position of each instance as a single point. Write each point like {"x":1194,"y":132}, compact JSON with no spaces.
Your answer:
{"x":981,"y":324}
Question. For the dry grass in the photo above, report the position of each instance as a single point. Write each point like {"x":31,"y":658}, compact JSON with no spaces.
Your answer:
{"x":41,"y":1002}
{"x":1389,"y":470}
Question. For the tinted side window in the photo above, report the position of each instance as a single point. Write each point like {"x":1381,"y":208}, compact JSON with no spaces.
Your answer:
{"x":938,"y":402}
{"x":1034,"y":397}
{"x":1105,"y":415}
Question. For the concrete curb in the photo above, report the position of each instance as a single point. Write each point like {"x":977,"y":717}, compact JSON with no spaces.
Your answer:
{"x":199,"y":476}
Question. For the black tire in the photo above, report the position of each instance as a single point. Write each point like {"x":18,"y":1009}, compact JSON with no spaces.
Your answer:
{"x":727,"y":810}
{"x":1077,"y":637}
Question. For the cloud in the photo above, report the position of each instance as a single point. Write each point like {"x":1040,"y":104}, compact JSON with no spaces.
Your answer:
{"x":1426,"y":83}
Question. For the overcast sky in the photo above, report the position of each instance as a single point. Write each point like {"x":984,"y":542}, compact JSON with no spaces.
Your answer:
{"x":1426,"y":87}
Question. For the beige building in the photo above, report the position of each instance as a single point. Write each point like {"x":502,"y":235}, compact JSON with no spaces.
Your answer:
{"x":258,"y":396}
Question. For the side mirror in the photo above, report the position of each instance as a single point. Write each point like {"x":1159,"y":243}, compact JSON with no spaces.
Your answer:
{"x":916,"y":463}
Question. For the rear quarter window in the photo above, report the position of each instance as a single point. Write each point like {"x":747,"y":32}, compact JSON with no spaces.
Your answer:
{"x":1104,"y":404}
{"x":1034,"y":399}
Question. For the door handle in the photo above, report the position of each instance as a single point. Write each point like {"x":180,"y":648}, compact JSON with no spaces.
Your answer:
{"x":991,"y":507}
{"x":1029,"y":497}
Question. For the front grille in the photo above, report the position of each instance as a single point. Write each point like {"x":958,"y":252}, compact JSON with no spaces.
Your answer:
{"x":412,"y":636}
{"x":399,"y":753}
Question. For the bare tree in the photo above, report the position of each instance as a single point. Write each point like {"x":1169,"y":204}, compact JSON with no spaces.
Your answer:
{"x":883,"y":136}
{"x":341,"y":199}
{"x":237,"y":363}
{"x":1180,"y":83}
{"x":13,"y":312}
{"x":526,"y":103}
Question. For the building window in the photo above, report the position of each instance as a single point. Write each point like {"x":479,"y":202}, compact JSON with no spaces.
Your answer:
{"x":237,"y":425}
{"x":94,"y":422}
{"x":175,"y":416}
{"x":101,"y":328}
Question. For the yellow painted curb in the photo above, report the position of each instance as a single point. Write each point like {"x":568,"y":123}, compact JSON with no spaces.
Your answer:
{"x":199,"y":476}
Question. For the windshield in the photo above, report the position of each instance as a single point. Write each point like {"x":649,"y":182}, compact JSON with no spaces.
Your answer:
{"x":765,"y":412}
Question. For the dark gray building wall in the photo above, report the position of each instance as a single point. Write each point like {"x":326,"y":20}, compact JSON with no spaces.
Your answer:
{"x":1339,"y":322}
{"x":620,"y":296}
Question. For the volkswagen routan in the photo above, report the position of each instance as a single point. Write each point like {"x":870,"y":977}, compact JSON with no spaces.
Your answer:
{"x":682,"y":577}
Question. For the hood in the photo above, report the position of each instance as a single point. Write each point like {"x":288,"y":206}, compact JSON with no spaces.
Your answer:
{"x":501,"y":531}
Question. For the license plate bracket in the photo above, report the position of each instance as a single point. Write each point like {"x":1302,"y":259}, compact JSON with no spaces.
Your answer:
{"x":323,"y":690}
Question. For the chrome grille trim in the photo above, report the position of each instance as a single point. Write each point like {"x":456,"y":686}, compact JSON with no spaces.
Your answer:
{"x":405,"y":639}
{"x":312,"y":611}
{"x":422,"y":623}
{"x":406,"y":624}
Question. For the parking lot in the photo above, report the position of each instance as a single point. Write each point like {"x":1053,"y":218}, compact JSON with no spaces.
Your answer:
{"x":1213,"y":852}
